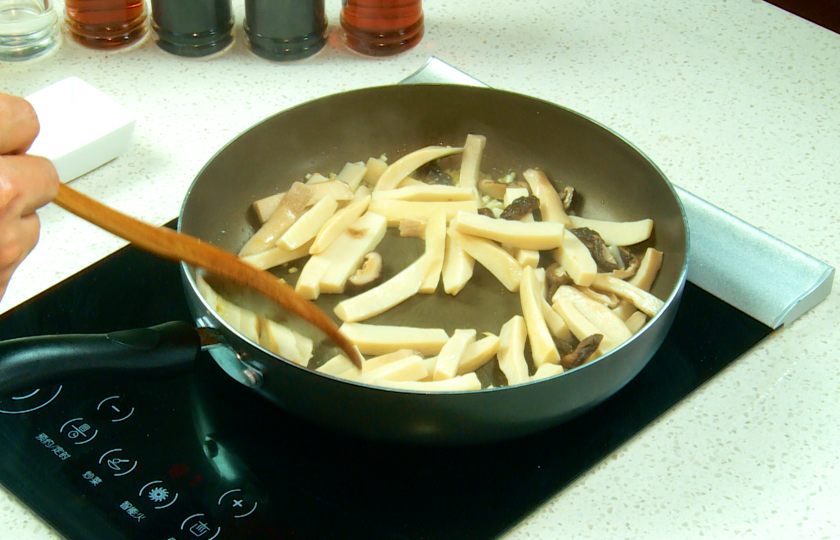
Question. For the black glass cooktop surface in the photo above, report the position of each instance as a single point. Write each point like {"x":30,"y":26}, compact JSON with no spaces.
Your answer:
{"x":202,"y":457}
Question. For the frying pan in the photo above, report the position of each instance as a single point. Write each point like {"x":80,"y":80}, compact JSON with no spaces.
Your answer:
{"x":613,"y":181}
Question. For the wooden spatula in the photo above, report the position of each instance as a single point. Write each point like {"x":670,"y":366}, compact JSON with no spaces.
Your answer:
{"x":176,"y":246}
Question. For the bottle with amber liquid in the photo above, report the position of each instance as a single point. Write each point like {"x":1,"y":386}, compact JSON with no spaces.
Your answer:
{"x":106,"y":24}
{"x":381,"y":27}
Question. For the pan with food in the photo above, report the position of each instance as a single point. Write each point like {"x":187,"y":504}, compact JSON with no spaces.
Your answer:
{"x":421,"y":139}
{"x":503,"y":264}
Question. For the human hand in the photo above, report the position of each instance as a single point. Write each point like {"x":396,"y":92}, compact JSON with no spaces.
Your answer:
{"x":26,"y":184}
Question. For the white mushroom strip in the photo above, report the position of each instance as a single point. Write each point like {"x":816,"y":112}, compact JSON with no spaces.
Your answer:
{"x":648,"y":269}
{"x":636,"y":321}
{"x":276,"y":256}
{"x":290,"y":209}
{"x":580,"y":326}
{"x":426,"y":192}
{"x":383,"y":297}
{"x":338,"y":223}
{"x":464,"y":383}
{"x":511,"y":355}
{"x":339,"y":190}
{"x":369,"y":272}
{"x":576,"y":260}
{"x":537,"y":235}
{"x":308,"y":283}
{"x":643,"y":300}
{"x":450,"y":355}
{"x":435,"y":236}
{"x":616,"y":233}
{"x":348,"y":250}
{"x":551,"y":205}
{"x":339,"y":365}
{"x":492,"y":257}
{"x":377,"y":362}
{"x":608,"y":323}
{"x":543,"y":349}
{"x":405,"y":369}
{"x":352,"y":175}
{"x":458,"y":266}
{"x":407,"y":164}
{"x":396,"y":211}
{"x":374,"y":169}
{"x":478,"y":354}
{"x":547,"y":370}
{"x":412,"y":228}
{"x":471,"y":160}
{"x":283,"y":341}
{"x":381,"y":339}
{"x":609,"y":299}
{"x":308,"y":225}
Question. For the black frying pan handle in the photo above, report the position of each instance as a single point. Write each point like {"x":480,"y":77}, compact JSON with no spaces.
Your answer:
{"x":168,"y":349}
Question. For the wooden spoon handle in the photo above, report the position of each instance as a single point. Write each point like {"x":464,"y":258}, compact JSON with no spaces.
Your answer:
{"x":176,"y":246}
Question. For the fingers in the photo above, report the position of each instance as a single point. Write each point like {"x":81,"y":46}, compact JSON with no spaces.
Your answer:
{"x":26,"y":184}
{"x":17,"y":240}
{"x":18,"y":124}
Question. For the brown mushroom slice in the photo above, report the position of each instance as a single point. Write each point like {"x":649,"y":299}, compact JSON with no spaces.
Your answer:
{"x":492,"y":188}
{"x":395,"y":210}
{"x":426,"y":193}
{"x":458,"y":266}
{"x":346,"y":253}
{"x":450,"y":355}
{"x":463,"y":383}
{"x":511,"y":355}
{"x":607,"y":299}
{"x":407,"y":164}
{"x":435,"y":237}
{"x":276,"y":256}
{"x":338,"y":223}
{"x":382,"y":339}
{"x":369,"y":272}
{"x":525,"y":257}
{"x":543,"y":349}
{"x":290,"y":209}
{"x":471,"y":160}
{"x":648,"y":269}
{"x":631,"y":265}
{"x":492,"y":257}
{"x":586,"y":350}
{"x":383,"y":297}
{"x":339,"y":190}
{"x":567,"y":197}
{"x":551,"y":205}
{"x":576,"y":260}
{"x":608,"y":323}
{"x":478,"y":354}
{"x":604,"y":259}
{"x":547,"y":370}
{"x":643,"y":300}
{"x":307,"y":226}
{"x":536,"y":235}
{"x":616,"y":233}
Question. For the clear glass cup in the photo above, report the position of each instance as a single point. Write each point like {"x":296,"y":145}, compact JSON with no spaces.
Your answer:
{"x":28,"y":29}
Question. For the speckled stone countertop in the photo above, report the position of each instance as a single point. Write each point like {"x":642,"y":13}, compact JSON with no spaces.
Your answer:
{"x":737,"y":101}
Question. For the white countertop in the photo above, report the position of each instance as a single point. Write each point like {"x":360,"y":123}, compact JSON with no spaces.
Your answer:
{"x":737,"y":101}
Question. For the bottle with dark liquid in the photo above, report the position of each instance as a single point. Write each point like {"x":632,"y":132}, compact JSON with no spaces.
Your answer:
{"x":192,"y":28}
{"x":285,"y":30}
{"x":381,"y":27}
{"x":106,"y":24}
